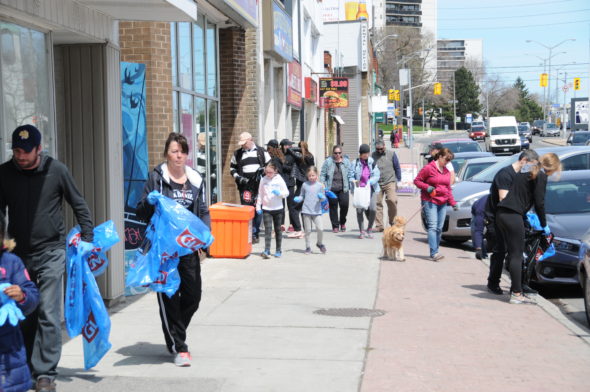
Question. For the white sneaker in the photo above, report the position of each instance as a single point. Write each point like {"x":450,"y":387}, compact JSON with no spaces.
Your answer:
{"x":521,"y":299}
{"x":183,"y":359}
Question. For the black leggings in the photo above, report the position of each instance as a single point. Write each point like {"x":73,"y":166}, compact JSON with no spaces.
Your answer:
{"x":271,"y":217}
{"x":511,"y":224}
{"x":294,"y":208}
{"x":342,"y":201}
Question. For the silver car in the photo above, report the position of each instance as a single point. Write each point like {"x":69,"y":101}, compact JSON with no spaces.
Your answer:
{"x":457,"y":226}
{"x":550,"y":129}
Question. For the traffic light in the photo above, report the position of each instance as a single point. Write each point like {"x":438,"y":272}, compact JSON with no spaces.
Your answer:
{"x":577,"y":82}
{"x":544,"y":80}
{"x":391,"y":95}
{"x":437,"y":88}
{"x":396,"y":95}
{"x":420,"y":111}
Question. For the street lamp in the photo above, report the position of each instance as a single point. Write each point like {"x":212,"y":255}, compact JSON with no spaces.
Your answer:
{"x":550,"y":48}
{"x":383,"y":40}
{"x":545,"y":93}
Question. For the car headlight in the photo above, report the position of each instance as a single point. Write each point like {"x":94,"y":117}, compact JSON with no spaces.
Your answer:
{"x":566,"y":246}
{"x":468,"y":201}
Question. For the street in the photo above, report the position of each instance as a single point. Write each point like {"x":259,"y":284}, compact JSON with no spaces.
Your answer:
{"x":568,"y":298}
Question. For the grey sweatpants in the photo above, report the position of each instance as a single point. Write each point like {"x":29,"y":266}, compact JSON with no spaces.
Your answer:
{"x":307,"y":226}
{"x":42,"y":328}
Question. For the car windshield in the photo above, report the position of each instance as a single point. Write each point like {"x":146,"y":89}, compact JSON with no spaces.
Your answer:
{"x":522,"y":128}
{"x":576,"y":192}
{"x":550,"y":126}
{"x":581,"y":137}
{"x":463,"y":147}
{"x":477,"y":128}
{"x":488,"y":174}
{"x":458,"y":163}
{"x":538,"y":123}
{"x":474,"y":168}
{"x":508,"y":130}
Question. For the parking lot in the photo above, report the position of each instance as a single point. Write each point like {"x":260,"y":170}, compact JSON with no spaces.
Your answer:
{"x":568,"y":297}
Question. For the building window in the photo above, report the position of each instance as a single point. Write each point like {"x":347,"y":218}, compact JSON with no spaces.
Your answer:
{"x":195,"y":96}
{"x":24,"y":85}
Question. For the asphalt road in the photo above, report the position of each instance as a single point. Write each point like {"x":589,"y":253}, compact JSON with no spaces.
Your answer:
{"x":569,"y":299}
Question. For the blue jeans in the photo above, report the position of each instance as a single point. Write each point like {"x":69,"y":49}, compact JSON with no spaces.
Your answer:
{"x":435,"y":219}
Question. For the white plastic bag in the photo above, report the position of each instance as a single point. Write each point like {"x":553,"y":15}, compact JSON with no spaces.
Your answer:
{"x":362,"y":197}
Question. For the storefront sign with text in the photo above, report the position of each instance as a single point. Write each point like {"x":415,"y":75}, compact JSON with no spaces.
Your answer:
{"x":294,"y":84}
{"x":334,"y":92}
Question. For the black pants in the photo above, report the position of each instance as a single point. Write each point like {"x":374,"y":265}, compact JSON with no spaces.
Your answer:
{"x":294,"y":208}
{"x":42,"y":328}
{"x":511,"y":225}
{"x":272,"y":217}
{"x":176,"y":311}
{"x":342,"y":201}
{"x":497,"y":245}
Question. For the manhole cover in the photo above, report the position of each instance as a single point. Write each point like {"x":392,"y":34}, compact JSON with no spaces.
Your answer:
{"x":350,"y":312}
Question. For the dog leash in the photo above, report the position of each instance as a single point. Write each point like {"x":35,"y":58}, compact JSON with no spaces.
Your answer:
{"x":415,"y":213}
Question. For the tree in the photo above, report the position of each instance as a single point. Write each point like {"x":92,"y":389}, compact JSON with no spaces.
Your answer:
{"x":527,"y":109}
{"x":466,"y":92}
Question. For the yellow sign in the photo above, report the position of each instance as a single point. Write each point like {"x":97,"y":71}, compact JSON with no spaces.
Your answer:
{"x":391,"y":95}
{"x":544,"y":80}
{"x":577,"y":83}
{"x":396,"y":95}
{"x":437,"y":88}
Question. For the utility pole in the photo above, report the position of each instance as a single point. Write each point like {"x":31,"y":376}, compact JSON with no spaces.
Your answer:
{"x":410,"y":116}
{"x":454,"y":105}
{"x":423,"y":111}
{"x":564,"y":115}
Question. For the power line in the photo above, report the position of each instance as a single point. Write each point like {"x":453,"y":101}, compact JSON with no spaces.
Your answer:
{"x":515,"y":27}
{"x":518,"y":16}
{"x":512,"y":5}
{"x":514,"y":66}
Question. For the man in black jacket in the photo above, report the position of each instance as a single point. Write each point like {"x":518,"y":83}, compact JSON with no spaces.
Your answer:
{"x":33,"y":186}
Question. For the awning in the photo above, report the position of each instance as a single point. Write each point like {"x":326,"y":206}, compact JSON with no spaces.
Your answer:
{"x":338,"y":119}
{"x":148,"y":10}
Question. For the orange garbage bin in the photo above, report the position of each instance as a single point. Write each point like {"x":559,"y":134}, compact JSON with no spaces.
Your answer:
{"x":231,"y":226}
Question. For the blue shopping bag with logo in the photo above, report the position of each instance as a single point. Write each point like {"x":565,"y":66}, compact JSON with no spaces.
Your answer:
{"x":173,"y":232}
{"x":85,"y":312}
{"x":535,"y":223}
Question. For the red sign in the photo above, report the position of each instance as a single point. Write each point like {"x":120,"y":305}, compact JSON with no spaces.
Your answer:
{"x":294,"y":84}
{"x":311,"y":90}
{"x":334,"y":92}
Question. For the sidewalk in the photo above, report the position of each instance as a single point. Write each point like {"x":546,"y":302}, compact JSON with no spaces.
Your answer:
{"x":256,"y":329}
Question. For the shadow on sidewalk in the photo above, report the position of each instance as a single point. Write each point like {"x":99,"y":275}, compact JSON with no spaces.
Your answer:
{"x":69,"y":375}
{"x":143,"y":353}
{"x":484,"y":293}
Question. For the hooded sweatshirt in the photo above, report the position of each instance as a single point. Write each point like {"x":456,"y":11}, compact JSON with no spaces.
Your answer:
{"x":34,"y":199}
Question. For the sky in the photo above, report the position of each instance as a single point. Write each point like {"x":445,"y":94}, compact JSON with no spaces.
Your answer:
{"x":505,"y":26}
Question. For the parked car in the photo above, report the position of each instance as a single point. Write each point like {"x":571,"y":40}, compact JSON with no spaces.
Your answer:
{"x":524,"y":143}
{"x":584,"y":271}
{"x":477,"y":132}
{"x":462,"y":157}
{"x":473,"y":166}
{"x":537,"y":127}
{"x":457,"y":226}
{"x":567,"y":206}
{"x":550,"y":129}
{"x":525,"y":131}
{"x":455,"y":145}
{"x":578,"y":138}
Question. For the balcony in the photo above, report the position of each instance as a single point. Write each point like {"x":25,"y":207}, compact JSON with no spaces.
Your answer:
{"x":403,"y":1}
{"x":403,"y":12}
{"x":401,"y":23}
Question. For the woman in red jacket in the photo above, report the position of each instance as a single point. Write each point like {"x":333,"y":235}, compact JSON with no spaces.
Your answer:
{"x":434,"y":180}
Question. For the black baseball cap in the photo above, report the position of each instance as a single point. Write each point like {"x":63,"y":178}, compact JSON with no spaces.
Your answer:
{"x":273,"y":143}
{"x":286,"y":142}
{"x":26,"y":137}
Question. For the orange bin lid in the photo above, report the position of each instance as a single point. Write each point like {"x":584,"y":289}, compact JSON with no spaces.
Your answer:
{"x":229,"y":211}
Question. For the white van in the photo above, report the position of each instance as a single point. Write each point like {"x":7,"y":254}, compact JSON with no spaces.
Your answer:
{"x":502,"y":135}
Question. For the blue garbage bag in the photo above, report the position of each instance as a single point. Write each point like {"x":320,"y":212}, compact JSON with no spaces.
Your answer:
{"x":173,"y":232}
{"x":535,"y":223}
{"x":85,"y":312}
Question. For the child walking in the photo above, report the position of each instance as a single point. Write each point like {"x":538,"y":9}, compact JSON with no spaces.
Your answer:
{"x":312,"y":195}
{"x":18,"y":295}
{"x":271,"y":192}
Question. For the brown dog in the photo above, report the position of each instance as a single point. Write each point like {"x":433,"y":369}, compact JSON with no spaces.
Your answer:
{"x":393,"y":238}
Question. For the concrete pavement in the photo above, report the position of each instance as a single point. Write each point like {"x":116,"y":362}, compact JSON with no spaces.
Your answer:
{"x":256,"y":329}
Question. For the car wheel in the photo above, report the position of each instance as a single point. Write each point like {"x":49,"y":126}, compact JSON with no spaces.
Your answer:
{"x":587,"y":296}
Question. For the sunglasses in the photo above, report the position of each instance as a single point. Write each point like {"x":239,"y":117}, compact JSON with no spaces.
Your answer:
{"x":380,"y":149}
{"x":337,"y":153}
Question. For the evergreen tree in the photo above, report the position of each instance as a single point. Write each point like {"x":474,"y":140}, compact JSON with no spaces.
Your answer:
{"x":527,"y":109}
{"x":466,"y":93}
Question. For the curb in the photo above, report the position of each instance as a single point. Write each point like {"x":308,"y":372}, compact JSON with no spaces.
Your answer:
{"x":552,"y":310}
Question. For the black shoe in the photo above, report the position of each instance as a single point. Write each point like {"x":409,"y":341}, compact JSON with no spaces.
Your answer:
{"x":478,"y":254}
{"x":255,"y":240}
{"x":495,"y":290}
{"x":44,"y":384}
{"x":528,"y":290}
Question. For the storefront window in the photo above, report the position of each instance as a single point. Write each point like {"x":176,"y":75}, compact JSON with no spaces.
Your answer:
{"x":199,"y":55}
{"x":24,"y":85}
{"x":195,"y":101}
{"x":211,"y":60}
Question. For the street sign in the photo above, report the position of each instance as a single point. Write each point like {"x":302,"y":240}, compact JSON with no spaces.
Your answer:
{"x":390,"y":110}
{"x":468,"y":118}
{"x":380,"y":117}
{"x":404,"y":77}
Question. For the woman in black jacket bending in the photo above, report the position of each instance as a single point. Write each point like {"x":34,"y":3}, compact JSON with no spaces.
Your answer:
{"x":527,"y":190}
{"x":183,"y":184}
